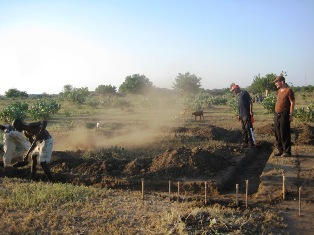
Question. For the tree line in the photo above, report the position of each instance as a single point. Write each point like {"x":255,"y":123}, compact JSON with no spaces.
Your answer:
{"x":188,"y":85}
{"x":140,"y":84}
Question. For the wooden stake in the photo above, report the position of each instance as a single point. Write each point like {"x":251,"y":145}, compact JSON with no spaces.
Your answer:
{"x":283,"y":187}
{"x":246,"y":192}
{"x":299,"y":201}
{"x":237,"y":194}
{"x":142,"y":188}
{"x":178,"y":190}
{"x":205,"y":192}
{"x":169,"y":189}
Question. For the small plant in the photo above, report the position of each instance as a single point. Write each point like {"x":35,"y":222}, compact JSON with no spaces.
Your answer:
{"x":67,"y":113}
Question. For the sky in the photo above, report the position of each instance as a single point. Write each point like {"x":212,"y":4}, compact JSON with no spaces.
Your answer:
{"x":45,"y":45}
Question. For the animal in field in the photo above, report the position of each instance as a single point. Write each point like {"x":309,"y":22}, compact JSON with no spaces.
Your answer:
{"x":198,"y":114}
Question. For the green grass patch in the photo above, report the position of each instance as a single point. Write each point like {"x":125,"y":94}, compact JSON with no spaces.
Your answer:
{"x":20,"y":194}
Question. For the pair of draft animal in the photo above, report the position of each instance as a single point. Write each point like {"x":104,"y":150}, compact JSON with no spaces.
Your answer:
{"x":195,"y":114}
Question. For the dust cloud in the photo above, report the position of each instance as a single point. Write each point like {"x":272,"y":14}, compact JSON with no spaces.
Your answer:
{"x":123,"y":128}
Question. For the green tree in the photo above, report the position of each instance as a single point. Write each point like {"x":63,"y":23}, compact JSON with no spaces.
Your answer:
{"x":76,"y":95}
{"x":187,"y":83}
{"x":15,"y":93}
{"x":261,"y":84}
{"x":67,"y":88}
{"x":105,"y":90}
{"x":136,"y":84}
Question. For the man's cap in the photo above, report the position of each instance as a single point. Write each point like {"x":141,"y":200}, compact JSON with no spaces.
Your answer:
{"x":234,"y":87}
{"x":279,"y":78}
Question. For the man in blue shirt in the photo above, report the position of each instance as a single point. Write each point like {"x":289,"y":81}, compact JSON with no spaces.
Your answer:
{"x":245,"y":106}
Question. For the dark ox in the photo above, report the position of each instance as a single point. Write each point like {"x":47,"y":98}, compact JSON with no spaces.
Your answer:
{"x":198,"y":114}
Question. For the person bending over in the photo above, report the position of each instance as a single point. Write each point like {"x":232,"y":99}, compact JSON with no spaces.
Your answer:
{"x":10,"y":138}
{"x":245,"y":106}
{"x":41,"y":139}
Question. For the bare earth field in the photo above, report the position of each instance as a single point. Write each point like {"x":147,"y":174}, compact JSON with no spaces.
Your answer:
{"x":182,"y":157}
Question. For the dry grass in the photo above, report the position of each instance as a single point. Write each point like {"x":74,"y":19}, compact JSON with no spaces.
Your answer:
{"x":43,"y":208}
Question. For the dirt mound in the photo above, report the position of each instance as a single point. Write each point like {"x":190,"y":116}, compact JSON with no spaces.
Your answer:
{"x":173,"y":163}
{"x":184,"y":162}
{"x":268,"y":129}
{"x":181,"y":162}
{"x":137,"y":166}
{"x":304,"y":133}
{"x":301,"y":133}
{"x":210,"y":132}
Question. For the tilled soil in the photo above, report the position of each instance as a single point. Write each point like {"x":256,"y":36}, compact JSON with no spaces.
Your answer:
{"x":222,"y":166}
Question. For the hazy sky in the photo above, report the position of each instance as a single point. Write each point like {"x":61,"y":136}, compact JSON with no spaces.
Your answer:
{"x":45,"y":45}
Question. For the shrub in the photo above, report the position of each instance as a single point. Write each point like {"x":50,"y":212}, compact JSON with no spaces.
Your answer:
{"x":219,"y":100}
{"x":43,"y":109}
{"x":13,"y":111}
{"x":93,"y":102}
{"x":305,"y":113}
{"x":269,"y":103}
{"x":198,"y":102}
{"x":233,"y":103}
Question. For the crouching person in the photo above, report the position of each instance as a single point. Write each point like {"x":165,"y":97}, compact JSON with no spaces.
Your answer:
{"x":11,"y":137}
{"x":41,"y":142}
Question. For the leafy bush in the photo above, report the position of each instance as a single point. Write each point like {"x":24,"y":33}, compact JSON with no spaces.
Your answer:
{"x":93,"y":102}
{"x":43,"y":109}
{"x":305,"y":113}
{"x":219,"y":100}
{"x":105,"y":90}
{"x":269,"y":103}
{"x":13,"y":111}
{"x":76,"y":95}
{"x":198,"y":102}
{"x":233,"y":103}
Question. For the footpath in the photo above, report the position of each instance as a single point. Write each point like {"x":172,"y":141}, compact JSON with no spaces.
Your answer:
{"x":287,"y":185}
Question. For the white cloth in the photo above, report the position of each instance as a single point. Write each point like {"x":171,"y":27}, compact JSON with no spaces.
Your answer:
{"x":9,"y":145}
{"x":44,"y":150}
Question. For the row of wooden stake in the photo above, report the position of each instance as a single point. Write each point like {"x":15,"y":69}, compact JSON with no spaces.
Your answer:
{"x":237,"y":192}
